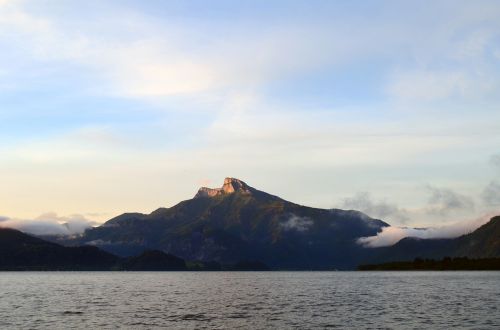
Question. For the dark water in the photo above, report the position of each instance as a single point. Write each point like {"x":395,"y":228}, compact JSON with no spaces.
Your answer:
{"x":355,"y":300}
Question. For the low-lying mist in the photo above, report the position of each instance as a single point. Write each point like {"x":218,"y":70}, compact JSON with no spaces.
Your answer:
{"x":391,"y":235}
{"x":49,"y":224}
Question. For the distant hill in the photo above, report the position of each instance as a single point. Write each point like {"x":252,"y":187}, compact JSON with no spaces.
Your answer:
{"x":22,"y":252}
{"x":484,"y":242}
{"x":19,"y":251}
{"x":237,"y":222}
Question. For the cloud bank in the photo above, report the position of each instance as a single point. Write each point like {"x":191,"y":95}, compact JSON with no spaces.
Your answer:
{"x":443,"y":201}
{"x":382,"y":209}
{"x":491,"y":194}
{"x":49,"y":224}
{"x":391,"y":235}
{"x":495,"y":161}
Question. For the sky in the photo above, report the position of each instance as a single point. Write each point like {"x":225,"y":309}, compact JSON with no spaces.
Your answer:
{"x":388,"y":107}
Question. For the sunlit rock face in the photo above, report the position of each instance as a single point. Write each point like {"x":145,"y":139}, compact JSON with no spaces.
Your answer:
{"x":230,"y":186}
{"x":208,"y":192}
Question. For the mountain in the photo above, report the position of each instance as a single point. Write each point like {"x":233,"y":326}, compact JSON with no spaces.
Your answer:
{"x":235,"y":223}
{"x":235,"y":227}
{"x":19,"y":251}
{"x":484,"y":242}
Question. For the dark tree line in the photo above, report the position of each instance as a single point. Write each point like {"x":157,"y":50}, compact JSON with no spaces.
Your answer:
{"x":447,"y":263}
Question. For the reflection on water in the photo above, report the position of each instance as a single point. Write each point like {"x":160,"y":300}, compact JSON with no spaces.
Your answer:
{"x":188,"y":300}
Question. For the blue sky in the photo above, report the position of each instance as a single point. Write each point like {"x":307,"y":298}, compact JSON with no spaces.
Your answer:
{"x":390,"y":107}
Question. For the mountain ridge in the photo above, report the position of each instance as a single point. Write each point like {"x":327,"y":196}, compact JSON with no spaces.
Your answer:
{"x":23,"y":252}
{"x":19,"y":251}
{"x":237,"y":222}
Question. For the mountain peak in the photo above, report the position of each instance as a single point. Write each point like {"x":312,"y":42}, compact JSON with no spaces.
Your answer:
{"x":230,"y":186}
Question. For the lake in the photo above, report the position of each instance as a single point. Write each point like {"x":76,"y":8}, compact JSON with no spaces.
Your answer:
{"x":254,"y":300}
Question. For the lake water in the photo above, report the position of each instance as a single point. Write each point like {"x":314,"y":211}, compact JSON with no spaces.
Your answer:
{"x":189,"y":300}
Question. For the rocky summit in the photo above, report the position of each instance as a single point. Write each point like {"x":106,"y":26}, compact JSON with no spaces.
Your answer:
{"x":230,"y":186}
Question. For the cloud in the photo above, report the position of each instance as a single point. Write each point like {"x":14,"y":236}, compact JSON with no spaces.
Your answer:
{"x":140,"y":56}
{"x":427,"y":85}
{"x":135,"y":65}
{"x":300,"y":224}
{"x":495,"y":161}
{"x":391,"y":235}
{"x":133,"y":56}
{"x":49,"y":224}
{"x":443,"y":201}
{"x":121,"y":52}
{"x":363,"y":202}
{"x":491,"y":194}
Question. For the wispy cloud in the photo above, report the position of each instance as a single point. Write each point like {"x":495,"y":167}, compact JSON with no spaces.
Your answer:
{"x":495,"y":161}
{"x":428,"y":85}
{"x":134,"y":56}
{"x":443,"y":201}
{"x":491,"y":194}
{"x":381,"y":209}
{"x":296,"y":223}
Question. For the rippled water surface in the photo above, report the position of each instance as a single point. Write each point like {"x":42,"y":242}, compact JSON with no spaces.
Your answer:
{"x":403,"y":300}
